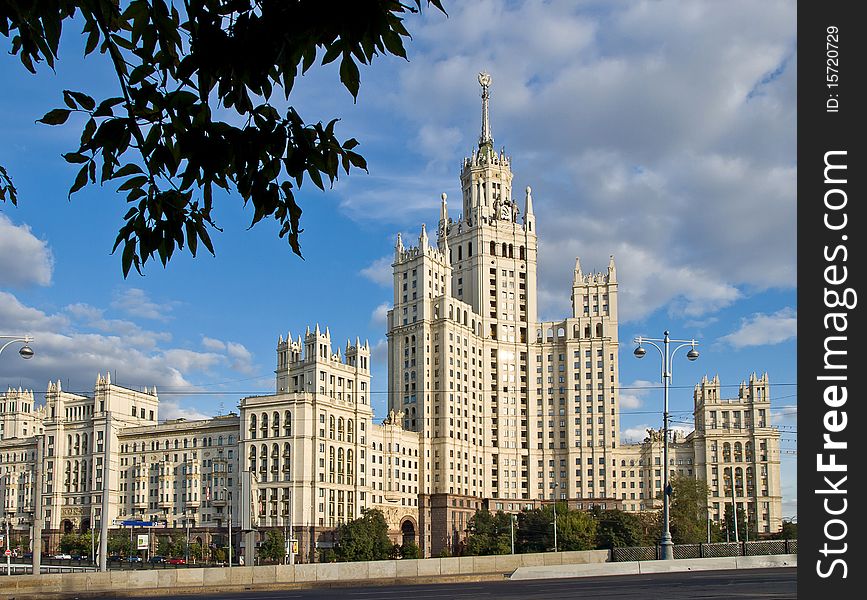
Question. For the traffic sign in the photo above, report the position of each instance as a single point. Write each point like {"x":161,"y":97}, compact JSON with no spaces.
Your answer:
{"x":8,"y":552}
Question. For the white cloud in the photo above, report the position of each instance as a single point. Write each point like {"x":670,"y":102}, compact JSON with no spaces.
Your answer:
{"x":241,"y":358}
{"x":135,"y":302}
{"x":379,"y":317}
{"x":379,"y":271}
{"x":379,"y":353}
{"x":648,"y":131}
{"x":632,"y":395}
{"x":24,"y":259}
{"x":635,"y":434}
{"x":77,"y":342}
{"x":213,"y":344}
{"x":787,"y":414}
{"x":764,"y":329}
{"x":172,"y":409}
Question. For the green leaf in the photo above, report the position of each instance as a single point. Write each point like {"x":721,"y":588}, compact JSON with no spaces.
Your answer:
{"x":127,"y":170}
{"x":84,"y":101}
{"x":74,"y":157}
{"x":57,"y":116}
{"x":80,"y":181}
{"x":349,"y":75}
{"x":133,"y":182}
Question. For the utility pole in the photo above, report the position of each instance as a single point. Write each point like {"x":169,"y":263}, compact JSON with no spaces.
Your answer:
{"x":734,"y":505}
{"x":37,"y":508}
{"x":291,"y":533}
{"x":555,"y":525}
{"x":512,"y":529}
{"x":8,"y":556}
{"x":106,"y":495}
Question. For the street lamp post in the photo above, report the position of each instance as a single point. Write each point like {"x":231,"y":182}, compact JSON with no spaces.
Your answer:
{"x":25,"y":351}
{"x":229,"y":504}
{"x":667,"y":354}
{"x":556,"y":485}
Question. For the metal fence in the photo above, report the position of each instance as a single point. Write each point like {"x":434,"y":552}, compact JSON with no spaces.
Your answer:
{"x":713,"y":550}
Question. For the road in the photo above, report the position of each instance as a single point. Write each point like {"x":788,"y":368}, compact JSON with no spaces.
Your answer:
{"x":752,"y":584}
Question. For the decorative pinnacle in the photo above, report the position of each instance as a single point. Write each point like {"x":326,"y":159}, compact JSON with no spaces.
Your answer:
{"x":486,"y":139}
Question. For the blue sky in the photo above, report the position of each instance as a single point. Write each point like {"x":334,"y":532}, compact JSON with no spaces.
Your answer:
{"x":660,"y":132}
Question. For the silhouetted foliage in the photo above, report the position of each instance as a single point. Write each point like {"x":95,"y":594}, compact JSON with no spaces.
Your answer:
{"x":193,"y":109}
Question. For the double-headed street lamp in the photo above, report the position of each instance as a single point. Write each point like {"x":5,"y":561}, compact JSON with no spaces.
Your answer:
{"x":667,"y":355}
{"x":25,"y":351}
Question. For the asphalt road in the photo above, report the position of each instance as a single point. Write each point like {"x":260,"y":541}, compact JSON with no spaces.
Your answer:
{"x":775,"y":584}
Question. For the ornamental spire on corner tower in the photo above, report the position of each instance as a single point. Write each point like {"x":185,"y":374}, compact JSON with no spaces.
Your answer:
{"x":486,"y":140}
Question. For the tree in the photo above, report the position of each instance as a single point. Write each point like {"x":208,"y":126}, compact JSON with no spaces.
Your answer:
{"x":616,"y":529}
{"x":193,"y":113}
{"x":119,"y":543}
{"x":490,"y":533}
{"x":274,"y":547}
{"x":364,"y":538}
{"x":688,"y":510}
{"x":728,"y":527}
{"x":410,"y":549}
{"x":576,"y":530}
{"x":789,"y":531}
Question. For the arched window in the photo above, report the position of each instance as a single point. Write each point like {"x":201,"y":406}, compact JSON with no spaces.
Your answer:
{"x":287,"y":463}
{"x":521,"y":253}
{"x":469,"y":249}
{"x":460,"y":252}
{"x":340,"y":429}
{"x":350,"y":468}
{"x":331,"y":464}
{"x":451,"y":312}
{"x":331,"y":427}
{"x":748,"y":451}
{"x":350,"y":430}
{"x":252,"y":428}
{"x":739,"y":457}
{"x":575,"y":331}
{"x":287,"y":423}
{"x":340,"y":463}
{"x":505,"y":249}
{"x":493,"y":248}
{"x":727,"y":452}
{"x":466,"y":320}
{"x":599,"y":330}
{"x":275,"y":423}
{"x":587,"y":331}
{"x":561,"y":332}
{"x":252,"y":456}
{"x":264,"y":426}
{"x":511,"y":251}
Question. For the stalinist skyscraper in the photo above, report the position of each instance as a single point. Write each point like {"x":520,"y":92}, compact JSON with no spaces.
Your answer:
{"x":509,"y":409}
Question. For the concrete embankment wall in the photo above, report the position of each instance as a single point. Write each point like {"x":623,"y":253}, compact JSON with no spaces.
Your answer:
{"x":193,"y":580}
{"x":656,"y":566}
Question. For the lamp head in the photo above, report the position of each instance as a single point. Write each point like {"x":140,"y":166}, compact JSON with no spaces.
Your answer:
{"x":639,"y":352}
{"x":26,"y":352}
{"x":692,"y":354}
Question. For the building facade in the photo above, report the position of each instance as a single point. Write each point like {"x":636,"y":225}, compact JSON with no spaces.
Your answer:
{"x":487,"y":407}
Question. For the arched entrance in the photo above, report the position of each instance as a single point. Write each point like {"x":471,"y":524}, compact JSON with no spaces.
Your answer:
{"x":85,"y":526}
{"x":407,"y":530}
{"x":66,"y":526}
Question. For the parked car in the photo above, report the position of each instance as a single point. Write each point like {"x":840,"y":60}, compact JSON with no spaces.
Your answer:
{"x":157,"y":559}
{"x":114,"y":558}
{"x":63,"y":556}
{"x":28,"y":555}
{"x":176,"y":561}
{"x":133,"y":559}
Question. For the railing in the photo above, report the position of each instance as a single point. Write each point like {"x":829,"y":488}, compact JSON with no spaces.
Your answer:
{"x":712,"y":550}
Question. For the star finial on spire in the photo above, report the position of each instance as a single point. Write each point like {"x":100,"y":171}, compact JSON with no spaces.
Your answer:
{"x":486,"y":139}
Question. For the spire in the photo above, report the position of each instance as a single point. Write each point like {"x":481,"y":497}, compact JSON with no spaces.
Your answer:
{"x":612,"y":270}
{"x":486,"y":139}
{"x":528,"y":202}
{"x":444,"y":210}
{"x":422,"y":239}
{"x":579,"y":274}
